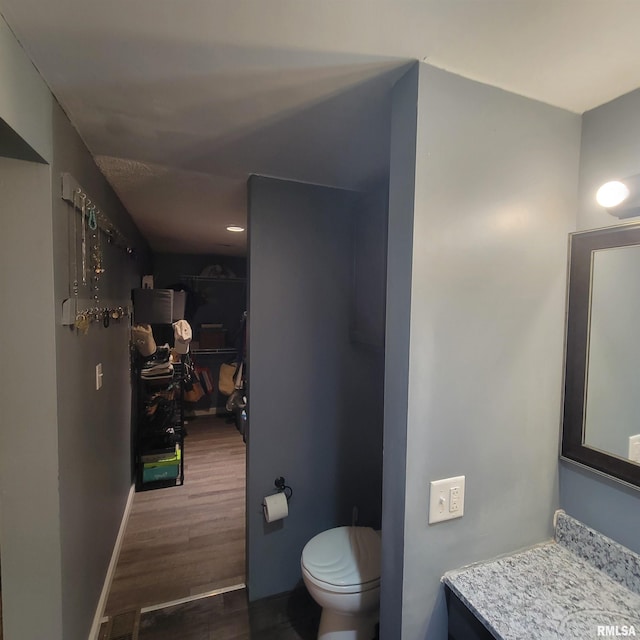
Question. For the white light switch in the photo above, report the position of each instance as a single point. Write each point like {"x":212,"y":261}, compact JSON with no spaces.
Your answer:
{"x":99,"y":376}
{"x":446,"y":499}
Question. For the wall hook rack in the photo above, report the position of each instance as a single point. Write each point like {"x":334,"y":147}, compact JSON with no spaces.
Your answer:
{"x":74,"y":194}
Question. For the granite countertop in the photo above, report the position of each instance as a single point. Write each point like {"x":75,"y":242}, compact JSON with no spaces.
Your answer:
{"x":564,"y":588}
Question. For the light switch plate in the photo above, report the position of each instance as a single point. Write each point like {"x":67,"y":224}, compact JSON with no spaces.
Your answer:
{"x":446,"y":499}
{"x":98,"y":376}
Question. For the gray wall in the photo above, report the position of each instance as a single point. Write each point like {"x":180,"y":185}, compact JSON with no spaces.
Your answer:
{"x":605,"y":505}
{"x":64,"y":460}
{"x":609,"y":150}
{"x":365,"y":413}
{"x":25,"y":100}
{"x":369,"y":302}
{"x":29,"y":503}
{"x":303,"y":375}
{"x":29,"y":506}
{"x":94,"y":426}
{"x":400,"y":243}
{"x":495,"y":198}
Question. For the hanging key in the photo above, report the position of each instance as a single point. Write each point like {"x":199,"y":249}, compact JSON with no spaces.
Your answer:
{"x":82,"y":323}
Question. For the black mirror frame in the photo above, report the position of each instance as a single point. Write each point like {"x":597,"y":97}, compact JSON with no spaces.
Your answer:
{"x":581,"y":248}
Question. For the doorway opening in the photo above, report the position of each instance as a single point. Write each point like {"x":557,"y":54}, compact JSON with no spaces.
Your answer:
{"x":188,"y":541}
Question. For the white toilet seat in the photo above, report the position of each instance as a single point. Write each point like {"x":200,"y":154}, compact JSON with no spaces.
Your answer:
{"x":349,"y":588}
{"x":344,"y":559}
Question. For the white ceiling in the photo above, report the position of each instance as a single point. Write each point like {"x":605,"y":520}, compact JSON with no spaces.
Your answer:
{"x":179,"y":101}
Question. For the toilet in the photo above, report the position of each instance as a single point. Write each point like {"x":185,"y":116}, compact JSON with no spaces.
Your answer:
{"x":341,"y":570}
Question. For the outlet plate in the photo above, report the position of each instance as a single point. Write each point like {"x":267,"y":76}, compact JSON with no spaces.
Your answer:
{"x":634,"y":448}
{"x":446,"y":499}
{"x":98,"y":376}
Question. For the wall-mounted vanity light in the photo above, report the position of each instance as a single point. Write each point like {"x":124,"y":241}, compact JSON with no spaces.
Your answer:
{"x":235,"y":228}
{"x":621,"y":198}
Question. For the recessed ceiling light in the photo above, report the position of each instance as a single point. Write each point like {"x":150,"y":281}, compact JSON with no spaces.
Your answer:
{"x":235,"y":228}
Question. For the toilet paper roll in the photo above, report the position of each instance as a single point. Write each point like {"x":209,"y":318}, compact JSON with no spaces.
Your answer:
{"x":275,"y":507}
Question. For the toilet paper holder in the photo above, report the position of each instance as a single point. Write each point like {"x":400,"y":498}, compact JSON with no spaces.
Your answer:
{"x":282,"y":487}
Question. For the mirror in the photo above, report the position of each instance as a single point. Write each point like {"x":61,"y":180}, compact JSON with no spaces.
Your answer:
{"x":601,"y":423}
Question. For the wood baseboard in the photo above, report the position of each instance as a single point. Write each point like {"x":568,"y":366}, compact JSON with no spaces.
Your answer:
{"x":106,"y":587}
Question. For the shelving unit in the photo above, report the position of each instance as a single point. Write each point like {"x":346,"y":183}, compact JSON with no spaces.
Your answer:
{"x":159,"y":441}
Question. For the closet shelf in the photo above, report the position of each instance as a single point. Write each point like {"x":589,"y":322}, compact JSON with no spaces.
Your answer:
{"x":211,"y":279}
{"x":212,"y":352}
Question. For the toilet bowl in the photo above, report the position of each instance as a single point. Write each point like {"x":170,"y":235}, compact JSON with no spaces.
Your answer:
{"x":341,"y":570}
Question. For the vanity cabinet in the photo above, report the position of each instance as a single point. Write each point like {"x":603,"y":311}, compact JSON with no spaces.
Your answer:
{"x":463,"y":625}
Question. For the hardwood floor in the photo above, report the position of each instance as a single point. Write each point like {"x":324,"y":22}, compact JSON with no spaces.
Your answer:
{"x":290,"y":616}
{"x":187,"y":540}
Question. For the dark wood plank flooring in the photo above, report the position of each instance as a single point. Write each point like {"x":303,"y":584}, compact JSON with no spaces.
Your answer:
{"x":291,"y":616}
{"x":188,"y":540}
